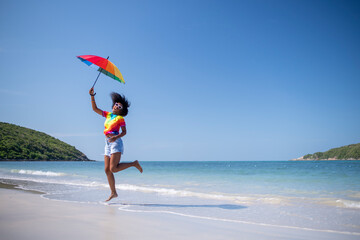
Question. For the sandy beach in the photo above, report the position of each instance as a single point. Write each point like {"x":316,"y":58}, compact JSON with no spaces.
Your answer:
{"x":26,"y":215}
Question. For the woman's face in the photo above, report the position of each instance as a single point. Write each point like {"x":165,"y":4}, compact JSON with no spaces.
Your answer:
{"x":117,"y":108}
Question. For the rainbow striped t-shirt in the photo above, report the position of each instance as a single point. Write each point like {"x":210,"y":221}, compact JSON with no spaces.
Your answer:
{"x":113,"y":123}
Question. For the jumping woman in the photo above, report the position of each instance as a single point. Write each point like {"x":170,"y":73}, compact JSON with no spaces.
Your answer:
{"x":113,"y":144}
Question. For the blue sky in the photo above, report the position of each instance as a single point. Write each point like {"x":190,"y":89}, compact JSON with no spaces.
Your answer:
{"x":207,"y":80}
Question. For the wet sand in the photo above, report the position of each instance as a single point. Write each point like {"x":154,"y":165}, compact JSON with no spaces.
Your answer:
{"x":26,"y":215}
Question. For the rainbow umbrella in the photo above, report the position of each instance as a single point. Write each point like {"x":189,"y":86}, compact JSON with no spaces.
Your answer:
{"x":105,"y":66}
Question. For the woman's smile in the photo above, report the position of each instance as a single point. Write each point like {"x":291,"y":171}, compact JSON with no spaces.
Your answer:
{"x":117,"y":108}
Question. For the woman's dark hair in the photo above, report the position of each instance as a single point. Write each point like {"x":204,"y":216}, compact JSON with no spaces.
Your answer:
{"x":120,"y":99}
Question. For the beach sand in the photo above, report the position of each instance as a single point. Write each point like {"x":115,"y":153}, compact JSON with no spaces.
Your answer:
{"x":26,"y":215}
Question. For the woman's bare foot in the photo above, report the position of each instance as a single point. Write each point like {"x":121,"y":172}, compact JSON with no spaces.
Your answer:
{"x":113,"y":195}
{"x":137,"y":165}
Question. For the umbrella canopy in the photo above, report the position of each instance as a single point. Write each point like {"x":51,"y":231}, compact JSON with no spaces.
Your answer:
{"x":105,"y":66}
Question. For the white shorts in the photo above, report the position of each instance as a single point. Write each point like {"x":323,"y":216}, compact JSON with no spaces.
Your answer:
{"x":113,"y":147}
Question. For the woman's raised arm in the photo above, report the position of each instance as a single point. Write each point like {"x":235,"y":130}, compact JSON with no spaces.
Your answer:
{"x":93,"y":103}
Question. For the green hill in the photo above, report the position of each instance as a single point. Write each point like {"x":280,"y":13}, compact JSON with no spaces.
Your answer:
{"x":349,"y":152}
{"x":19,"y":143}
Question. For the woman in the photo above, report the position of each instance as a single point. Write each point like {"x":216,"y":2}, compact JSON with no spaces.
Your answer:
{"x":113,"y":143}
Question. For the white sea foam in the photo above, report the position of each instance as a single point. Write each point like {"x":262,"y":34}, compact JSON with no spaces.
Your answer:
{"x":348,"y":203}
{"x":38,"y":172}
{"x":236,"y":198}
{"x":57,"y":181}
{"x":340,"y":203}
{"x":173,"y":192}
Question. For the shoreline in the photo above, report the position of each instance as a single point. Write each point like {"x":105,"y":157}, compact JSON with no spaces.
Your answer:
{"x":16,"y":187}
{"x":40,"y":218}
{"x":38,"y":160}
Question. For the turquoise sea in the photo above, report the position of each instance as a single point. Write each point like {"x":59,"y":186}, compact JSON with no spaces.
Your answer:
{"x":312,"y":195}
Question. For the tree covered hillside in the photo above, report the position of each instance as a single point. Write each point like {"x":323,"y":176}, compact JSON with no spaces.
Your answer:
{"x":19,"y":143}
{"x":349,"y":152}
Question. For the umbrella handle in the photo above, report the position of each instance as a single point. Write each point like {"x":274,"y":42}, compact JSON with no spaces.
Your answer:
{"x":97,"y":78}
{"x":98,"y":75}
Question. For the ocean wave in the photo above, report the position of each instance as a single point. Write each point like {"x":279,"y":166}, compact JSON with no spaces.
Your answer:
{"x":236,"y":198}
{"x":348,"y":203}
{"x":175,"y":192}
{"x":340,"y":203}
{"x":38,"y":172}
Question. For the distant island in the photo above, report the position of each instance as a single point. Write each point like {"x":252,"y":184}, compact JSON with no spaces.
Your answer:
{"x":24,"y":144}
{"x":349,"y":152}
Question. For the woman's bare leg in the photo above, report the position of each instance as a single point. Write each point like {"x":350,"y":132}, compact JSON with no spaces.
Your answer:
{"x":113,"y":165}
{"x":116,"y":166}
{"x":110,"y":177}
